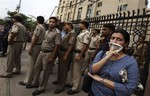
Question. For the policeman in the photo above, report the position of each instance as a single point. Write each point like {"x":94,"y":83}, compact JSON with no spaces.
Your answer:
{"x":15,"y":41}
{"x":37,"y":39}
{"x":64,"y":56}
{"x":81,"y":46}
{"x":46,"y":58}
{"x":93,"y":47}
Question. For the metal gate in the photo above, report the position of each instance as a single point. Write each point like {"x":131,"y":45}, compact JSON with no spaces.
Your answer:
{"x":137,"y":24}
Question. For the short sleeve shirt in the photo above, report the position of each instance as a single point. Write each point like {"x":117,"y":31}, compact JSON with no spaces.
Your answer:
{"x":20,"y":29}
{"x":40,"y":33}
{"x":52,"y":38}
{"x":82,"y":38}
{"x":69,"y":39}
{"x":94,"y":41}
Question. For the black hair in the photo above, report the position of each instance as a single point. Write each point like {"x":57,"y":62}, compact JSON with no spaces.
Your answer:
{"x":85,"y":23}
{"x":97,"y":30}
{"x":40,"y":19}
{"x":110,"y":26}
{"x":55,"y":18}
{"x":124,"y":33}
{"x":18,"y":18}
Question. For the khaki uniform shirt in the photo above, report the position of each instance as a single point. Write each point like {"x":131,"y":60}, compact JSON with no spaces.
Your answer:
{"x":94,"y":41}
{"x":40,"y":33}
{"x":20,"y":30}
{"x":82,"y":38}
{"x":52,"y":38}
{"x":69,"y":39}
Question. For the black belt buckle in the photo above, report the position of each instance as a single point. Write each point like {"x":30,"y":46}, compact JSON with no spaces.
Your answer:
{"x":63,"y":49}
{"x":77,"y":51}
{"x":38,"y":44}
{"x":92,"y":48}
{"x":17,"y":41}
{"x":46,"y":51}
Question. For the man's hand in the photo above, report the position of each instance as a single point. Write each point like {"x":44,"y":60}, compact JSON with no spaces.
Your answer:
{"x":30,"y":51}
{"x":10,"y":42}
{"x":65,"y":58}
{"x":51,"y":59}
{"x":77,"y":58}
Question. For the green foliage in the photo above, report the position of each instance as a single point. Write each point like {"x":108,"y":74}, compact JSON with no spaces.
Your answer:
{"x":1,"y":22}
{"x":28,"y":22}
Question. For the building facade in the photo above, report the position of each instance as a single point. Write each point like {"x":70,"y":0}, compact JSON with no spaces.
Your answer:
{"x":69,"y":10}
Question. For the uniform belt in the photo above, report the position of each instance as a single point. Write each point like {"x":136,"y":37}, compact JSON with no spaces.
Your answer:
{"x":92,"y":48}
{"x":38,"y":44}
{"x":77,"y":51}
{"x":46,"y":51}
{"x":63,"y":49}
{"x":17,"y":41}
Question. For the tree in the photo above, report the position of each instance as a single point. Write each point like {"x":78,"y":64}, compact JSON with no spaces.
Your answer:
{"x":27,"y":21}
{"x":2,"y":22}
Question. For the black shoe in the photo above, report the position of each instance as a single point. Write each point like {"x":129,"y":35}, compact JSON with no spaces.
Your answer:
{"x":17,"y":72}
{"x":6,"y":75}
{"x":28,"y":86}
{"x":71,"y":92}
{"x":58,"y":91}
{"x":68,"y":85}
{"x":22,"y":83}
{"x":55,"y":82}
{"x":37,"y":92}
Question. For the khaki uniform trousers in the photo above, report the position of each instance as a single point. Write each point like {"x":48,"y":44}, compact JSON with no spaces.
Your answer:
{"x":76,"y":72}
{"x":63,"y":68}
{"x":14,"y":57}
{"x":42,"y":64}
{"x":32,"y":59}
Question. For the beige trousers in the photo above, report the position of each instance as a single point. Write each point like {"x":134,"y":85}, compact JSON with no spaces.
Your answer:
{"x":14,"y":57}
{"x":32,"y":59}
{"x":42,"y":64}
{"x":76,"y":72}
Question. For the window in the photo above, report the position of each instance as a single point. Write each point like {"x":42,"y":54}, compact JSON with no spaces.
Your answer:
{"x":122,"y":7}
{"x":62,"y":9}
{"x":81,"y":2}
{"x":79,"y":13}
{"x":99,"y":4}
{"x":58,"y":11}
{"x":89,"y":11}
{"x":68,"y":18}
{"x":125,"y":7}
{"x":120,"y":0}
{"x":60,"y":17}
{"x":98,"y":13}
{"x":70,"y":6}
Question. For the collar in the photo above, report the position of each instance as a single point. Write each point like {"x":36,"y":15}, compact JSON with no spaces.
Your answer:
{"x":84,"y":30}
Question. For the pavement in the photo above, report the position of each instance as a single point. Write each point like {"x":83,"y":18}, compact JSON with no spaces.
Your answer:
{"x":10,"y":86}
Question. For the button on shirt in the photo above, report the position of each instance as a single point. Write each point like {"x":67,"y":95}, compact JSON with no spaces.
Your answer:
{"x":82,"y":38}
{"x":52,"y":38}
